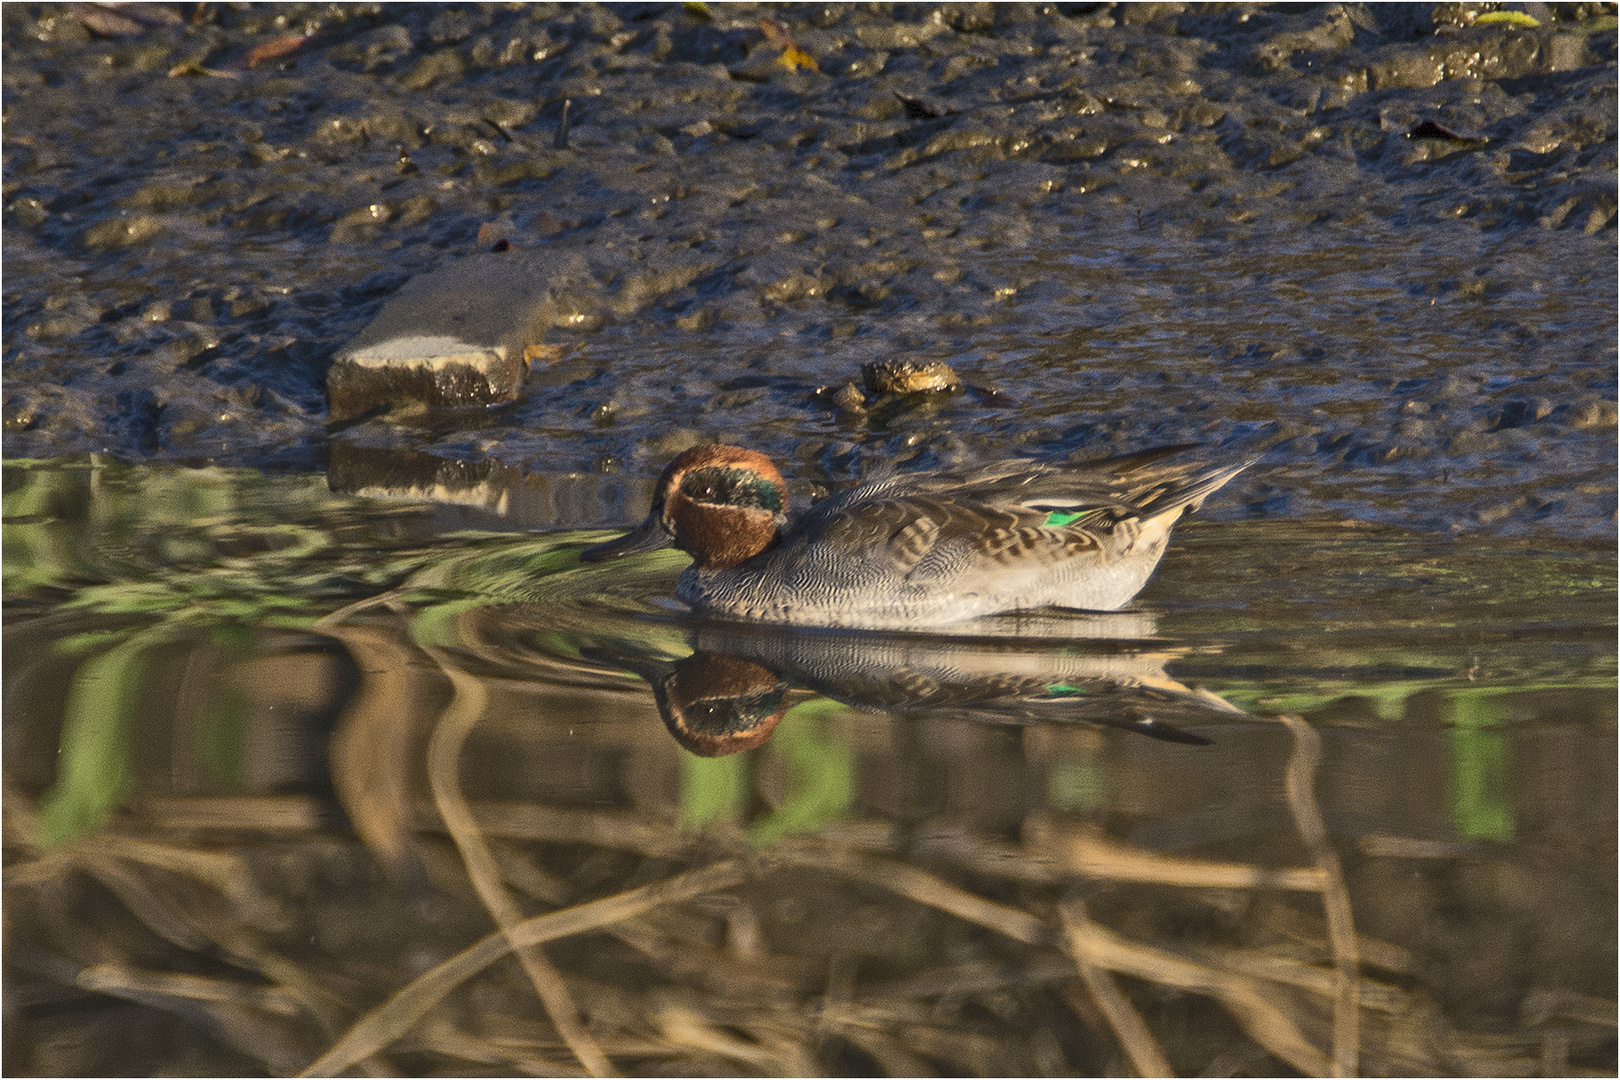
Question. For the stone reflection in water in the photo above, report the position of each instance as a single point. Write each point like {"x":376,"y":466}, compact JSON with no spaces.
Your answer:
{"x":483,"y":494}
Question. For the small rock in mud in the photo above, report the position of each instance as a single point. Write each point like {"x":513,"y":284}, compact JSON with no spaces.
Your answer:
{"x":849,"y":399}
{"x":909,"y":376}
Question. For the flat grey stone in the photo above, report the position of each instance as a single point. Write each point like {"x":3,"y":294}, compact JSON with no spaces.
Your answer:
{"x":456,"y":337}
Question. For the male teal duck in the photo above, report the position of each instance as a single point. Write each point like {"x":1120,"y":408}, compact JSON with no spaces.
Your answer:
{"x":917,"y":550}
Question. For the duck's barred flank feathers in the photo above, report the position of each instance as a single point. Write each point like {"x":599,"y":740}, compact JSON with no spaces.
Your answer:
{"x":912,"y":541}
{"x":1010,"y":547}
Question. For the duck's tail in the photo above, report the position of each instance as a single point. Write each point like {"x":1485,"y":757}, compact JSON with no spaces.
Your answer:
{"x":1184,"y":489}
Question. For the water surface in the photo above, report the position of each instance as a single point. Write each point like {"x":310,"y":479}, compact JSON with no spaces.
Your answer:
{"x":278,"y":762}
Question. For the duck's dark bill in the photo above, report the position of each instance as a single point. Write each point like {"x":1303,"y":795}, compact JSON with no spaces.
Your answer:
{"x":650,"y":535}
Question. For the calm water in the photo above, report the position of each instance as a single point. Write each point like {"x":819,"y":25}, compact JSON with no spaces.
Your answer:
{"x":279,"y":761}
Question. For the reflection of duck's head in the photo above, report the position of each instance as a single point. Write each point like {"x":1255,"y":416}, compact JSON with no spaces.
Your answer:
{"x":721,"y":504}
{"x":715,"y":704}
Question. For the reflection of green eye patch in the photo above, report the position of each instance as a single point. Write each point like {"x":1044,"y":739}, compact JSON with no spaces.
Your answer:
{"x":720,"y":486}
{"x":733,"y":715}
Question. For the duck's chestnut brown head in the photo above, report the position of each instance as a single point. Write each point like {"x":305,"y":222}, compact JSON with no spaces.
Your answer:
{"x":721,"y":504}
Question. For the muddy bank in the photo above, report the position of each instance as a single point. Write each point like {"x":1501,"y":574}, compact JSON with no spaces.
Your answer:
{"x":1375,"y":243}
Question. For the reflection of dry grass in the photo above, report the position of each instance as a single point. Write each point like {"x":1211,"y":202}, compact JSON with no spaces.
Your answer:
{"x":1257,"y":998}
{"x":374,"y":747}
{"x":670,"y":967}
{"x":444,"y":773}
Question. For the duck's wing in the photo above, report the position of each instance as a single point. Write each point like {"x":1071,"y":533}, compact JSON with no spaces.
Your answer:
{"x":1007,"y":512}
{"x":909,"y":531}
{"x":927,"y":527}
{"x":1140,"y":486}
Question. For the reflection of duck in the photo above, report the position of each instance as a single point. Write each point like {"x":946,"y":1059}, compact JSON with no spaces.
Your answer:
{"x":729,"y":694}
{"x":909,"y":551}
{"x":715,"y":704}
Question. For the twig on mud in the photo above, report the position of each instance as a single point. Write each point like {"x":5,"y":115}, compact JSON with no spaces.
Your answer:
{"x":924,"y":888}
{"x":1267,"y":1024}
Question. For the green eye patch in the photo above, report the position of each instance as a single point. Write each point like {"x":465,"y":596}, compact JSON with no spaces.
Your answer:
{"x":718,"y":485}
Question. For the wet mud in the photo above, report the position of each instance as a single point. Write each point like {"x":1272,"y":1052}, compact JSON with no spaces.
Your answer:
{"x":1374,"y":243}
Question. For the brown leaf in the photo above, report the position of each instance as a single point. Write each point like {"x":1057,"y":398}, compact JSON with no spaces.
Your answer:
{"x":279,"y":47}
{"x":776,"y":34}
{"x":102,"y":21}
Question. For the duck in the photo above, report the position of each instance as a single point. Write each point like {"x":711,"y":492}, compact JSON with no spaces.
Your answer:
{"x":915,"y":551}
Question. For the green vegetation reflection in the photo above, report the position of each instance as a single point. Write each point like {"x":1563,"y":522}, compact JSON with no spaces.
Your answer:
{"x":819,"y":769}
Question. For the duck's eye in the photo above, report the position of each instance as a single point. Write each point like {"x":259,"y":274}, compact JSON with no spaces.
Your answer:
{"x":706,"y":491}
